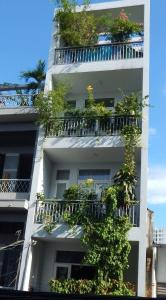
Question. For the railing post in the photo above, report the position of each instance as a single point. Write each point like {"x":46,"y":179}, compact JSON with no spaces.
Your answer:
{"x":97,"y":126}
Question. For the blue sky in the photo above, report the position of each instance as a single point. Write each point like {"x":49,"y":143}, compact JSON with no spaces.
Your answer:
{"x":25,"y":33}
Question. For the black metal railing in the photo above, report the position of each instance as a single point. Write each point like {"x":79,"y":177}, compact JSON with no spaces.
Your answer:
{"x":100,"y":126}
{"x":53,"y":210}
{"x":18,"y":100}
{"x":104,"y":52}
{"x":15,"y":185}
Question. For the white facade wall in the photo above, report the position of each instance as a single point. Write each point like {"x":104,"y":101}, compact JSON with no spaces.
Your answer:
{"x":161,"y":264}
{"x":74,"y":153}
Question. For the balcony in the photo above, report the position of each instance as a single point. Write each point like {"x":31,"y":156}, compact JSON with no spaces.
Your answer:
{"x":14,"y":193}
{"x":14,"y":185}
{"x":84,"y":127}
{"x":53,"y":210}
{"x":97,"y":53}
{"x":14,"y":101}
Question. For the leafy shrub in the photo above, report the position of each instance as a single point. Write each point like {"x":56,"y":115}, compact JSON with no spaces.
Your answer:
{"x":96,"y":287}
{"x":121,"y":28}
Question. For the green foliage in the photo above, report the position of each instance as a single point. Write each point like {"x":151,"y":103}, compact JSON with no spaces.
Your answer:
{"x":104,"y":233}
{"x":95,"y":109}
{"x":130,"y":105}
{"x":48,"y":225}
{"x":126,"y":181}
{"x":72,"y":193}
{"x":76,"y":29}
{"x":84,"y":286}
{"x":40,"y":197}
{"x":121,"y":27}
{"x":92,"y":110}
{"x":109,"y":197}
{"x":35,"y":77}
{"x":82,"y":28}
{"x":82,"y":191}
{"x":51,"y":105}
{"x":107,"y":246}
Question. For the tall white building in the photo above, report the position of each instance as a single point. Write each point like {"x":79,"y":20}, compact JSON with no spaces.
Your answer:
{"x":94,"y":153}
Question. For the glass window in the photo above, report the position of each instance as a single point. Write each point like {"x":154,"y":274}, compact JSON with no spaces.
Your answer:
{"x":61,"y":187}
{"x":108,"y":102}
{"x":11,"y":161}
{"x":61,"y":273}
{"x":62,"y":174}
{"x":83,"y":272}
{"x":94,"y":174}
{"x":69,"y":257}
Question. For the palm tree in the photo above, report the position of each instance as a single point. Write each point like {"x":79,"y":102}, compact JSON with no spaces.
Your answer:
{"x":35,"y":78}
{"x":36,"y":84}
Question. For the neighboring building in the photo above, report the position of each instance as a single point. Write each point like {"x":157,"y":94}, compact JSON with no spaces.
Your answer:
{"x":17,"y":152}
{"x":159,"y":236}
{"x":149,"y":253}
{"x":60,"y":161}
{"x":159,"y":269}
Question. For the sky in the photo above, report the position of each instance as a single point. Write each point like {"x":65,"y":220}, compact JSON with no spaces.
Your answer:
{"x":25,"y":36}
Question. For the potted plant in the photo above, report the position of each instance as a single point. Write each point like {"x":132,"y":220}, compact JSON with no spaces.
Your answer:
{"x":122,"y":28}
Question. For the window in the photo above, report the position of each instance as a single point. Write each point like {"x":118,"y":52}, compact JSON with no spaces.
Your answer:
{"x":62,"y":178}
{"x":2,"y":159}
{"x":62,"y":272}
{"x":62,"y":174}
{"x":10,"y":165}
{"x":108,"y":102}
{"x":96,"y":174}
{"x":68,"y":265}
{"x":69,"y":256}
{"x":60,"y":189}
{"x":83,"y":272}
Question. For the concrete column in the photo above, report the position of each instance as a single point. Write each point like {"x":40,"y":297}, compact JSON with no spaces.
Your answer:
{"x":141,"y":269}
{"x":27,"y":272}
{"x":144,"y":160}
{"x":154,"y":284}
{"x":26,"y":260}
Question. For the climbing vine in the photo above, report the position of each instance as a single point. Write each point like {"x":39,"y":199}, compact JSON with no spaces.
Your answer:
{"x":104,"y":232}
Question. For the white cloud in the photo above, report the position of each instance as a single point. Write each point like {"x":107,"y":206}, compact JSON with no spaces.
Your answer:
{"x":152,"y":131}
{"x":157,"y":185}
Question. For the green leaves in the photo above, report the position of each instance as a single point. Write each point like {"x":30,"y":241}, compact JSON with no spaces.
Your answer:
{"x":35,"y":77}
{"x":89,"y":287}
{"x":82,"y":29}
{"x":121,"y":27}
{"x":50,"y":105}
{"x":76,"y":29}
{"x":130,"y":105}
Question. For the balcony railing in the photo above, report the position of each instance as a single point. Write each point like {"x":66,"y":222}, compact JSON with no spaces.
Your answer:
{"x":15,"y":185}
{"x":101,"y":126}
{"x":53,"y":210}
{"x":105,"y":52}
{"x":13,"y":101}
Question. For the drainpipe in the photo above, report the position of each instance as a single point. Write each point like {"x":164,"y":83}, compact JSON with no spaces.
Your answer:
{"x":154,"y":285}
